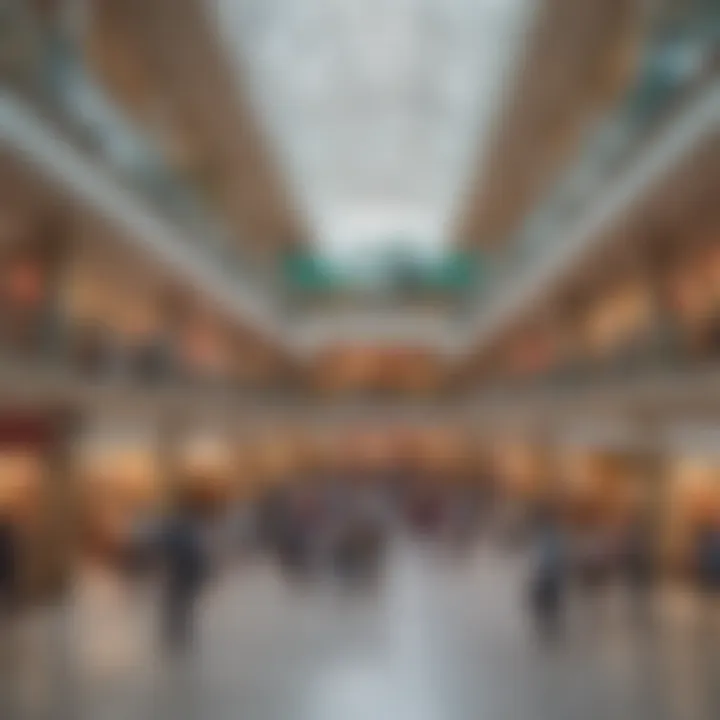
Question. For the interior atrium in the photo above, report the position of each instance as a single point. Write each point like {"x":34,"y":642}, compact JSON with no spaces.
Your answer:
{"x":359,"y":358}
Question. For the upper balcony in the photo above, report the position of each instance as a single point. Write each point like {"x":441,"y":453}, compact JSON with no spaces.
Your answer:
{"x":59,"y":118}
{"x":669,"y":114}
{"x":55,"y":114}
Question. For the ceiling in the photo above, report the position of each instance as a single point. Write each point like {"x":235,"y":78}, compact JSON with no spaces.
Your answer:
{"x":363,"y":125}
{"x":578,"y":58}
{"x":162,"y":60}
{"x":378,"y":107}
{"x":355,"y":125}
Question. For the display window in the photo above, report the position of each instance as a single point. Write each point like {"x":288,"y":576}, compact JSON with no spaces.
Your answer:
{"x":370,"y":369}
{"x":206,"y":350}
{"x":21,"y":501}
{"x":695,"y":293}
{"x":601,"y":486}
{"x":519,"y":470}
{"x":693,"y":502}
{"x":274,"y":459}
{"x":206,"y":467}
{"x":444,"y":454}
{"x":26,"y":502}
{"x":618,"y":319}
{"x":120,"y":487}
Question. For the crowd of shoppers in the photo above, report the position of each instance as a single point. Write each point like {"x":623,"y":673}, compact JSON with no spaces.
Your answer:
{"x":341,"y":527}
{"x":586,"y":560}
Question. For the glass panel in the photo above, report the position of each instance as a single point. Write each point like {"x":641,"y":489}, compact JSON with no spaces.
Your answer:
{"x":378,"y":106}
{"x":44,"y":67}
{"x":681,"y":56}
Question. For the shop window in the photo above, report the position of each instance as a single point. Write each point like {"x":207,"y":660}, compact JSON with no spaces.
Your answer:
{"x":693,"y":503}
{"x":695,"y":300}
{"x":205,"y":353}
{"x":120,"y":487}
{"x":619,"y":321}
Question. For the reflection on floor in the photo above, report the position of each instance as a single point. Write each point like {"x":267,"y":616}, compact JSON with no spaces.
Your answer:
{"x":434,"y":640}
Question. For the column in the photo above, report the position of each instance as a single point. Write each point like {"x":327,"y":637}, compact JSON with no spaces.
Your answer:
{"x":654,"y":261}
{"x":569,"y":318}
{"x":176,"y":311}
{"x":54,"y":554}
{"x":57,"y":253}
{"x":548,"y":467}
{"x":171,"y":430}
{"x":653,"y":465}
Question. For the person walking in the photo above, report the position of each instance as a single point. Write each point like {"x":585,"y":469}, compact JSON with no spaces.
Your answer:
{"x":638,"y":564}
{"x":9,"y":565}
{"x":185,"y":567}
{"x":707,"y":551}
{"x":548,"y":575}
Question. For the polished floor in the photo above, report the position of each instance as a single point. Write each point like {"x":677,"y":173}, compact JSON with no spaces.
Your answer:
{"x":435,"y":639}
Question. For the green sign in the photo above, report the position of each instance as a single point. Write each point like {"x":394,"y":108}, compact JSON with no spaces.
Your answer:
{"x":404,"y":274}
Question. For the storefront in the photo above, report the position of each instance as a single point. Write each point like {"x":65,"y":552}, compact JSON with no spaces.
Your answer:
{"x":110,"y":324}
{"x":121,"y":485}
{"x":36,"y":493}
{"x":693,"y":503}
{"x":605,"y":487}
{"x":694,"y":289}
{"x":521,"y":470}
{"x":29,"y":281}
{"x":207,"y":471}
{"x":619,"y":322}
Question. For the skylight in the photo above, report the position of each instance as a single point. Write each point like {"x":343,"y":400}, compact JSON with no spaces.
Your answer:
{"x":379,"y":109}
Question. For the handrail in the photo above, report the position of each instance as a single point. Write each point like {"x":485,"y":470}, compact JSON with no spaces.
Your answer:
{"x":530,"y":266}
{"x":681,"y":63}
{"x":51,"y":78}
{"x":36,"y":142}
{"x":664,"y":393}
{"x":554,"y":230}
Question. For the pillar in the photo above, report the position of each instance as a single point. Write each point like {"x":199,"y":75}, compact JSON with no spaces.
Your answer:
{"x":170,"y":432}
{"x":569,"y":316}
{"x":652,"y":462}
{"x":176,"y":313}
{"x":54,"y":552}
{"x":548,"y":467}
{"x":655,"y":259}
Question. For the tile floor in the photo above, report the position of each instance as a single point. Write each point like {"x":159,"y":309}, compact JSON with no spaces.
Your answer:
{"x":435,"y":639}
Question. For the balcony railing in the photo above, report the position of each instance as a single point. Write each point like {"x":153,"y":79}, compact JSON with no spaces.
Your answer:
{"x":667,"y":350}
{"x":682,"y":61}
{"x":42,"y":68}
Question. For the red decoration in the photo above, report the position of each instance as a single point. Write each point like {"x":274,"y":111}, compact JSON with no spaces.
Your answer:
{"x":26,"y":284}
{"x":21,"y":430}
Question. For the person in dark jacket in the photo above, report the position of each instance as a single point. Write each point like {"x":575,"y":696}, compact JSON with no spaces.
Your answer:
{"x":9,"y":564}
{"x":548,"y":574}
{"x":708,"y":557}
{"x":638,"y":563}
{"x":185,"y":566}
